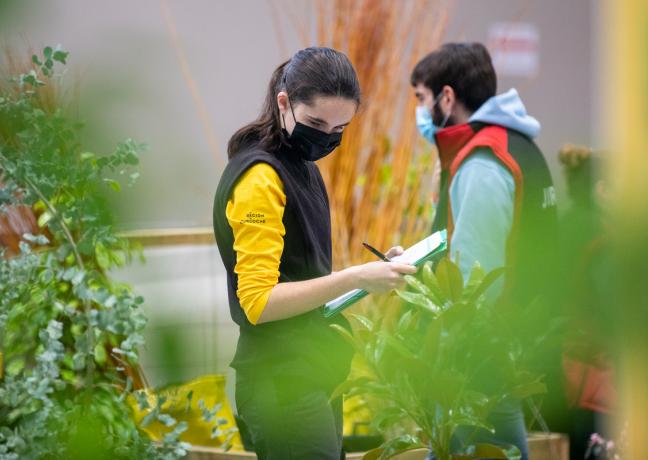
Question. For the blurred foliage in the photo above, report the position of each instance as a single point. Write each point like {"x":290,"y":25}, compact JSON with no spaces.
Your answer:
{"x":447,"y":362}
{"x":383,"y":167}
{"x":69,"y":334}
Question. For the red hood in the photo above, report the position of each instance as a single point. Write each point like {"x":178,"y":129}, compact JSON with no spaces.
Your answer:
{"x":450,"y":140}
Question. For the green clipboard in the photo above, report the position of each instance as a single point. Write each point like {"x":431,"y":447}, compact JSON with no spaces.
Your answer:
{"x":426,"y":249}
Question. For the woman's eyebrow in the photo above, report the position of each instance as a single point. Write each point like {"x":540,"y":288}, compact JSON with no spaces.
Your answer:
{"x":324,"y":122}
{"x":317,"y":120}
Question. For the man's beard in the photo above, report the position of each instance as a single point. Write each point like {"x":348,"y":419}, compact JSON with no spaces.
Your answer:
{"x":438,"y":117}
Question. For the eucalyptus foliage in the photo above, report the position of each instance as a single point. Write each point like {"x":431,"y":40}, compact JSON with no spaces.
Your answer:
{"x":68,"y":332}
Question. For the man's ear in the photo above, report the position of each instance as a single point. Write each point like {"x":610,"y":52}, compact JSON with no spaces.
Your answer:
{"x":449,"y":95}
{"x":282,"y":102}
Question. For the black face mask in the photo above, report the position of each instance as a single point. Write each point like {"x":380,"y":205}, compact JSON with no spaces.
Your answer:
{"x":311,"y":144}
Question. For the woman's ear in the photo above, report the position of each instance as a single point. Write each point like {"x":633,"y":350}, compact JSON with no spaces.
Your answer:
{"x":282,"y":102}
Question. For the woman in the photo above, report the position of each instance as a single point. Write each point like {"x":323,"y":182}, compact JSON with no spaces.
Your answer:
{"x":272,"y":225}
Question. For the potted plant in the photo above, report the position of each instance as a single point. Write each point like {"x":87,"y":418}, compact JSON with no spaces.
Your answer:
{"x":423,"y":375}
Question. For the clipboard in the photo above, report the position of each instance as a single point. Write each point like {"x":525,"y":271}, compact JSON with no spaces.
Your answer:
{"x":421,"y":252}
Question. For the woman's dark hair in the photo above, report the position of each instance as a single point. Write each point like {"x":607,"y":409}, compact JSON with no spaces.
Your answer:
{"x":466,"y":67}
{"x":310,"y":73}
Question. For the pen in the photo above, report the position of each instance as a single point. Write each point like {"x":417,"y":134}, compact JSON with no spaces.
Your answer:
{"x":376,"y":252}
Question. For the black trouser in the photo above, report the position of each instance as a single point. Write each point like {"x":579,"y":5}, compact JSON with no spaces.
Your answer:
{"x":289,"y":418}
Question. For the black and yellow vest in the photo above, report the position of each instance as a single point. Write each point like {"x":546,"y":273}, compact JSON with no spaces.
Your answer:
{"x":305,"y":346}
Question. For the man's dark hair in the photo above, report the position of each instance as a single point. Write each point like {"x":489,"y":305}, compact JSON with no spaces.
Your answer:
{"x":466,"y":67}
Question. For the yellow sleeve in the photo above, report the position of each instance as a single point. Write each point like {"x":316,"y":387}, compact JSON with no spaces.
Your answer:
{"x":255,"y":213}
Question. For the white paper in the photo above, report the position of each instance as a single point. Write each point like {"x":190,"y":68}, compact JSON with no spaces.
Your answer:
{"x":421,"y":249}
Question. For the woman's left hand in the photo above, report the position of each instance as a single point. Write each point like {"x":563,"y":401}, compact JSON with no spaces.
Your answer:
{"x":395,"y":251}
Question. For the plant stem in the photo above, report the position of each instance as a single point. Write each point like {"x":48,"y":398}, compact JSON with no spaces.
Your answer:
{"x":86,"y":304}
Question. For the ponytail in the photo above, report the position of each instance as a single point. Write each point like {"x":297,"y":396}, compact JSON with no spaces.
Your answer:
{"x":265,"y":131}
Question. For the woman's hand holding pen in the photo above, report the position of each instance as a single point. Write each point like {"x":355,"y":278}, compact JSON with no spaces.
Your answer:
{"x":296,"y":297}
{"x":380,"y":277}
{"x":395,"y":251}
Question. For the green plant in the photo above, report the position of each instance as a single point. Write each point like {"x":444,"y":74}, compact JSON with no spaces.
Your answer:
{"x":69,"y":334}
{"x":426,"y":374}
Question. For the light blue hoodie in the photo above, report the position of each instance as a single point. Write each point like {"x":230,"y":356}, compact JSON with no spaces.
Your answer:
{"x":482,"y":193}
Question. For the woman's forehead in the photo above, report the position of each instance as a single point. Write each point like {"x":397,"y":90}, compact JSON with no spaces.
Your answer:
{"x":333,"y":110}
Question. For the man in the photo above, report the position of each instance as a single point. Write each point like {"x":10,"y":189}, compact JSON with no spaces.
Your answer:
{"x":497,"y":198}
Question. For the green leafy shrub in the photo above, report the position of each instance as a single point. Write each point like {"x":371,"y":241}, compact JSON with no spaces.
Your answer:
{"x":69,"y":334}
{"x":426,"y":375}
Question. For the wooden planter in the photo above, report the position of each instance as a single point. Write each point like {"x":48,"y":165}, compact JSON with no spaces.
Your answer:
{"x":209,"y":453}
{"x":552,"y":446}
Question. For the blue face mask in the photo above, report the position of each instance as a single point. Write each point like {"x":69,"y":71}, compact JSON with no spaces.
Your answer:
{"x":425,"y":124}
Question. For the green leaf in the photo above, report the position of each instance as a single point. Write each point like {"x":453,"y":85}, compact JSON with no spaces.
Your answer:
{"x":471,"y":421}
{"x":166,"y":420}
{"x":430,"y":279}
{"x":15,"y":366}
{"x":146,"y":421}
{"x":78,"y":278}
{"x":399,"y":445}
{"x":419,"y":300}
{"x":487,"y":282}
{"x":450,"y":279}
{"x":116,"y":186}
{"x":512,"y":453}
{"x":364,"y":321}
{"x":477,"y":275}
{"x":118,"y":258}
{"x":47,"y":52}
{"x":417,"y":285}
{"x":397,"y":346}
{"x":528,"y":389}
{"x":405,"y":321}
{"x":346,"y":386}
{"x":60,"y":56}
{"x":78,"y":361}
{"x":347,"y":335}
{"x":68,"y":376}
{"x":102,"y":256}
{"x":44,"y":219}
{"x":386,"y":417}
{"x":100,"y":354}
{"x":475,"y":398}
{"x":142,"y":400}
